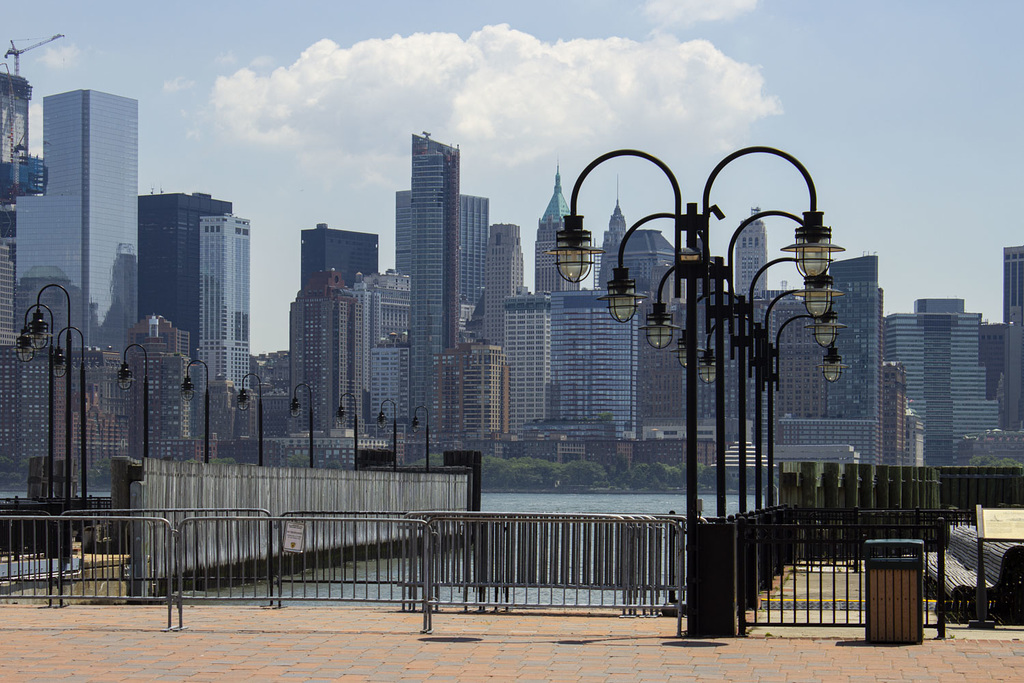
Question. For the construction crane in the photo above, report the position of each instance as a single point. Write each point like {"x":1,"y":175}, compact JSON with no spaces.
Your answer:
{"x":17,"y":53}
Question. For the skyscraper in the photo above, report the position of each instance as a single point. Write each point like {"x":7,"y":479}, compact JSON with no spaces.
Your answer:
{"x":7,"y":322}
{"x":1012,"y":370}
{"x":1013,"y":285}
{"x":224,"y":296}
{"x":84,"y":231}
{"x":384,"y":299}
{"x":474,"y":217}
{"x":751,"y":255}
{"x":848,"y":412}
{"x":612,"y":239}
{"x":528,"y":351}
{"x":593,"y":361}
{"x":345,"y":251}
{"x":169,"y":257}
{"x":20,"y":174}
{"x":389,"y":374}
{"x":326,"y":347}
{"x":648,"y":255}
{"x":858,"y":393}
{"x":432,"y":234}
{"x":894,"y":416}
{"x":472,"y":392}
{"x":545,"y":272}
{"x":938,"y":346}
{"x":503,"y":279}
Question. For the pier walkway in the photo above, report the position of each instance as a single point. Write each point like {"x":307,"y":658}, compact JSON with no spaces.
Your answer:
{"x":122,"y":643}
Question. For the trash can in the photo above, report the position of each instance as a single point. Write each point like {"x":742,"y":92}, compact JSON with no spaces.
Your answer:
{"x":894,"y":582}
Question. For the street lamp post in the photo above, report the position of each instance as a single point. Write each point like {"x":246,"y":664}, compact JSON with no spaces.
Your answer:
{"x":768,"y":357}
{"x":416,"y":426}
{"x":188,"y":391}
{"x":61,"y":363}
{"x":243,"y":404}
{"x":382,"y":420}
{"x":125,"y":379}
{"x":355,"y":425}
{"x":35,"y":336}
{"x":574,"y":255}
{"x":294,"y":409}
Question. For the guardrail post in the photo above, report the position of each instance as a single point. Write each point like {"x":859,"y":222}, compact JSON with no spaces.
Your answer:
{"x":426,"y":559}
{"x":741,"y":575}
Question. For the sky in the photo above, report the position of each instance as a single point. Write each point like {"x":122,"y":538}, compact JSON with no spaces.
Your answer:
{"x":906,"y":113}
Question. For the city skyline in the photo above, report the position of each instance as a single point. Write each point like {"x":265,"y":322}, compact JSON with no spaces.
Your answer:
{"x":910,"y":140}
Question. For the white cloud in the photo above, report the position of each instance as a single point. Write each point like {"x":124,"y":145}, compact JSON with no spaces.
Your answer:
{"x":65,"y":56}
{"x":689,"y":12}
{"x":178,"y":84}
{"x":510,"y":96}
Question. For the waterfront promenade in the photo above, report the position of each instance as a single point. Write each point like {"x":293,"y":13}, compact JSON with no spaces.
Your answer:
{"x":353,"y":643}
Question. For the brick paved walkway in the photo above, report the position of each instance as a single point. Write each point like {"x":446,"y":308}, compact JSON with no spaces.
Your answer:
{"x":355,"y":643}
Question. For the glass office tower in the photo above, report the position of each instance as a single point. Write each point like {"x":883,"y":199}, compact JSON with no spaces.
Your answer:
{"x":432,"y":235}
{"x":169,"y":257}
{"x":593,"y":361}
{"x":83,"y":232}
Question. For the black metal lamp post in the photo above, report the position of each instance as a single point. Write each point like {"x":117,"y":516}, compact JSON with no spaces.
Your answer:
{"x":382,"y":421}
{"x":416,"y":426}
{"x":61,"y":363}
{"x":294,"y":409}
{"x":188,"y":391}
{"x":243,"y":404}
{"x":831,"y":368}
{"x":574,"y":255}
{"x":355,"y":425}
{"x":35,"y":336}
{"x":125,"y":380}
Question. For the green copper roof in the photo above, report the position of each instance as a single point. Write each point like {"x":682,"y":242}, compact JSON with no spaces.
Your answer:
{"x":557,"y":206}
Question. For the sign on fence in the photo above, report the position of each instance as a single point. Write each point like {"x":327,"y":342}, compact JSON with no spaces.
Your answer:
{"x":294,"y":533}
{"x":1000,"y":524}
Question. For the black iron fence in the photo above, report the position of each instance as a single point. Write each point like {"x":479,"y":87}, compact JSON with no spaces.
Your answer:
{"x":803,"y":567}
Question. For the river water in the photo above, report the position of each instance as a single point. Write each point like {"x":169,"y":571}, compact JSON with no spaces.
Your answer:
{"x":645,"y":503}
{"x":640,"y":503}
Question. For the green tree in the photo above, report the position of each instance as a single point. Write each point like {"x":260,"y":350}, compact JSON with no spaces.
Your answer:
{"x":993,"y":461}
{"x":585,"y":473}
{"x":298,"y":460}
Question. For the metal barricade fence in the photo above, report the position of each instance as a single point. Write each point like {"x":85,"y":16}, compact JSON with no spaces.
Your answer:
{"x":86,"y":558}
{"x":422,"y":560}
{"x":321,"y":559}
{"x":628,"y":562}
{"x":156,"y":554}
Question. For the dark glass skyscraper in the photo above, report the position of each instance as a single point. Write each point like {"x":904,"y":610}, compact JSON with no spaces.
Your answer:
{"x":474,"y":219}
{"x":169,"y":257}
{"x":344,"y":251}
{"x":938,"y":346}
{"x":593,"y":361}
{"x":429,"y":230}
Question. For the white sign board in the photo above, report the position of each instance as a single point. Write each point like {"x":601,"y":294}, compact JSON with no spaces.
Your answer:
{"x":1001,"y":524}
{"x":294,"y":533}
